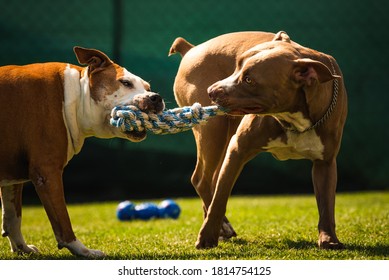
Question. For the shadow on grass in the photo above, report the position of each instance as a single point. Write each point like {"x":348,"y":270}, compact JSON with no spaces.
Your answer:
{"x":300,"y":244}
{"x":379,"y":251}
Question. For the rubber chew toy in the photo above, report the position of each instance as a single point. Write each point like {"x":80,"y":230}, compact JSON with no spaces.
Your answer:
{"x":130,"y":118}
{"x":126,"y":210}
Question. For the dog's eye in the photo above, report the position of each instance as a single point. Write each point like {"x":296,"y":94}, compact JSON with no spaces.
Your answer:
{"x":127,"y":84}
{"x":248,"y":80}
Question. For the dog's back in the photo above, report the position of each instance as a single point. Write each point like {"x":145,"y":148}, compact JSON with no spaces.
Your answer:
{"x":26,"y":94}
{"x":209,"y":62}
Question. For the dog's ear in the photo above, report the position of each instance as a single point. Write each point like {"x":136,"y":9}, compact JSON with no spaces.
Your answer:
{"x":307,"y":71}
{"x":282,"y":36}
{"x":95,"y":59}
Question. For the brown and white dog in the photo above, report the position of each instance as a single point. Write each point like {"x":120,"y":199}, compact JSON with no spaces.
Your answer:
{"x":46,"y":112}
{"x":282,"y":98}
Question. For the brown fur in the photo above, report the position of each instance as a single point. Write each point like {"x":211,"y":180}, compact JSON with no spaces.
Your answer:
{"x":36,"y":125}
{"x":288,"y":85}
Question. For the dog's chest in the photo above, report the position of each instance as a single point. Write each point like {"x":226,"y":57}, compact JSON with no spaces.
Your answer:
{"x":307,"y":145}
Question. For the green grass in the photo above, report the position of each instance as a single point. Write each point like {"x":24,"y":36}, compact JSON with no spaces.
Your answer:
{"x":269,"y":227}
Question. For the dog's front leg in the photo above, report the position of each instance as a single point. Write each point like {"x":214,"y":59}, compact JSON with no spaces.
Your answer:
{"x":49,"y":186}
{"x":212,"y":141}
{"x":324,"y":177}
{"x":239,"y":152}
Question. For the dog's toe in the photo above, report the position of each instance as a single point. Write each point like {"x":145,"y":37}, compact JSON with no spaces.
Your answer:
{"x":26,"y":249}
{"x":79,"y":249}
{"x":329,"y":242}
{"x":204,"y":243}
{"x":32,"y":249}
{"x":95,"y":254}
{"x":331,"y":245}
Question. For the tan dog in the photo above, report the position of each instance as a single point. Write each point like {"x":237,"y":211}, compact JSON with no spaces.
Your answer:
{"x":294,"y":105}
{"x":46,"y":112}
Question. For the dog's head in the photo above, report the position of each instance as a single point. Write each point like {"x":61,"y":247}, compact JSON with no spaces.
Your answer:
{"x":268,"y":79}
{"x":110,"y":85}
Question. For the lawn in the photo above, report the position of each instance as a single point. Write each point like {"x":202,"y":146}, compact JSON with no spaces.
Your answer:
{"x":268,"y":227}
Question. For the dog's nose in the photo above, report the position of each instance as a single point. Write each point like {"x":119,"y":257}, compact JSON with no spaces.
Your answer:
{"x":157,"y":102}
{"x":155,"y":98}
{"x":215,"y":91}
{"x":149,"y":102}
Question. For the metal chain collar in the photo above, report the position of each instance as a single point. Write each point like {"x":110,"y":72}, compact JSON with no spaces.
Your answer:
{"x":329,"y":110}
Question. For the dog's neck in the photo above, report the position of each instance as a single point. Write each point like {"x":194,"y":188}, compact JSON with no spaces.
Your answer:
{"x":81,"y":114}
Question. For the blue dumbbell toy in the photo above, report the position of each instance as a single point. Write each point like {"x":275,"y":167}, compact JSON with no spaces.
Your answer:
{"x":169,"y":209}
{"x":146,"y":211}
{"x":127,"y":210}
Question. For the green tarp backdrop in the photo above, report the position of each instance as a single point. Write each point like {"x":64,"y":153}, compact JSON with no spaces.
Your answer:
{"x":138,"y":35}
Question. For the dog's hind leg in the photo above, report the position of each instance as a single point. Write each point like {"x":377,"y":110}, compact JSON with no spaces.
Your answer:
{"x":48,"y":184}
{"x":11,"y":199}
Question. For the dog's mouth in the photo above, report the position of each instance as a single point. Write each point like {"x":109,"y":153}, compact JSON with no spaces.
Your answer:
{"x":150,"y":103}
{"x":256,"y":110}
{"x":136,"y":136}
{"x":232,"y":109}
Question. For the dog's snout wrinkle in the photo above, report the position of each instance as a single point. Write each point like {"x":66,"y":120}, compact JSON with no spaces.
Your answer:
{"x":215,"y":91}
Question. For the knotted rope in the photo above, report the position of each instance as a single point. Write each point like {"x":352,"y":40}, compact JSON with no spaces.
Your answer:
{"x":131,"y":118}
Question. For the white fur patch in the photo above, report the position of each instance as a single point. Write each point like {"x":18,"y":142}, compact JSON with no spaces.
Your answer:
{"x":296,"y":119}
{"x":72,"y":95}
{"x":306,"y":145}
{"x":11,"y":223}
{"x":79,"y":249}
{"x":85,"y":116}
{"x":123,"y":95}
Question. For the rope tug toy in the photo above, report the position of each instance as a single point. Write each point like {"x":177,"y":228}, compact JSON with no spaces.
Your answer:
{"x":130,"y":118}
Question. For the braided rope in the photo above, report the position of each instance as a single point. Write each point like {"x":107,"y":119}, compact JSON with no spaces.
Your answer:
{"x":130,"y":118}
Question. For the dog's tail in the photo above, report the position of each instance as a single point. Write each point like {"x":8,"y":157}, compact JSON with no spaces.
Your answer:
{"x":181,"y":46}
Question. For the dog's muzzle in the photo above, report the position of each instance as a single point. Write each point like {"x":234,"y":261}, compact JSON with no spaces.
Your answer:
{"x":149,"y":102}
{"x":215,"y":92}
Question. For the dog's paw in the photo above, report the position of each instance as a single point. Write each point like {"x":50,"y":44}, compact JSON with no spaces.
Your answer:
{"x":26,"y":249}
{"x":206,"y":240}
{"x":32,"y":249}
{"x":95,"y":254}
{"x":203,"y":243}
{"x":209,"y":234}
{"x":226,"y":231}
{"x":79,"y":249}
{"x":327,"y":245}
{"x":327,"y":242}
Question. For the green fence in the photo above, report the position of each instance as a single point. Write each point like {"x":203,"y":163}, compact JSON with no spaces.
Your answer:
{"x":138,"y":34}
